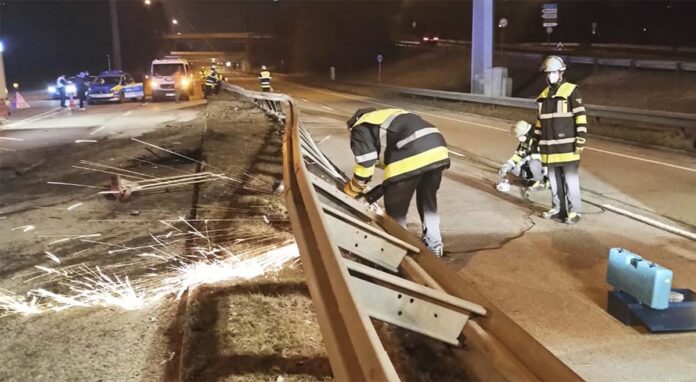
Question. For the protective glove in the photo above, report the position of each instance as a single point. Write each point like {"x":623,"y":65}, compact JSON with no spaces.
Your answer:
{"x":353,"y":189}
{"x":504,"y":170}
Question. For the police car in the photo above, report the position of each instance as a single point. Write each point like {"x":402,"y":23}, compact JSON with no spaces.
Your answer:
{"x":115,"y":85}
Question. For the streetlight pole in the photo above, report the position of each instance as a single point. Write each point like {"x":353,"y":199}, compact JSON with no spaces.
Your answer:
{"x":115,"y":35}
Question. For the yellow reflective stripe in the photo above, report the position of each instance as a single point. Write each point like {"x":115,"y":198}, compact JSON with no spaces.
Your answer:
{"x":565,"y":90}
{"x":581,"y":120}
{"x":580,"y":140}
{"x":415,"y":162}
{"x":516,"y":158}
{"x":537,"y":124}
{"x":364,"y":172}
{"x":378,"y":117}
{"x":559,"y":158}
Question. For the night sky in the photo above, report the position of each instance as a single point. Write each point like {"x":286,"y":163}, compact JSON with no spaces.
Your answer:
{"x":45,"y":38}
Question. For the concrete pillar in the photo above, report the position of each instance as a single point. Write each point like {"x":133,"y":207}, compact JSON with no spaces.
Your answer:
{"x":481,"y":43}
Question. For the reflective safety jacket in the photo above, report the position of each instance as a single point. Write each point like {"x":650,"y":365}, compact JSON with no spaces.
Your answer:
{"x":561,"y":125}
{"x":401,"y":142}
{"x":212,"y":80}
{"x":525,"y":152}
{"x":265,"y":79}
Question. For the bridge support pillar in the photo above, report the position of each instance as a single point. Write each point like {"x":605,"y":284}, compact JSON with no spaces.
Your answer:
{"x":481,"y":43}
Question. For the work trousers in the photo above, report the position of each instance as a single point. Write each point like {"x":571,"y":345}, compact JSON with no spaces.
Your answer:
{"x":61,"y":92}
{"x":565,"y":188}
{"x":397,"y":199}
{"x":534,"y":168}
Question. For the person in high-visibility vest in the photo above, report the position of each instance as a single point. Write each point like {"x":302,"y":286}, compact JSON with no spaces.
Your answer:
{"x":265,"y":79}
{"x":413,"y":154}
{"x":559,"y":132}
{"x":526,"y":161}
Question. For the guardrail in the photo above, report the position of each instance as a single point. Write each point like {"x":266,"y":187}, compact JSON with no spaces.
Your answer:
{"x":660,"y":118}
{"x":518,"y":50}
{"x":361,"y":265}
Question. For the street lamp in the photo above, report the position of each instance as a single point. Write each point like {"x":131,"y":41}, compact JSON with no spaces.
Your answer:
{"x":502,"y":24}
{"x":147,"y":2}
{"x":175,"y":21}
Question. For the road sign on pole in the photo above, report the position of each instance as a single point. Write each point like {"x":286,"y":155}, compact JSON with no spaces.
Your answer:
{"x":379,"y":68}
{"x":549,"y":15}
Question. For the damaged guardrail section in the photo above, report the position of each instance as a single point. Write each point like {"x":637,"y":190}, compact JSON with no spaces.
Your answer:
{"x":360,"y":265}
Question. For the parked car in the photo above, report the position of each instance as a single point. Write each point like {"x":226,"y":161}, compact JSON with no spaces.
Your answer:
{"x":115,"y":85}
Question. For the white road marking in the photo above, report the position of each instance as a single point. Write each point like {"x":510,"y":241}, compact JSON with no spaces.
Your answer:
{"x":11,"y":139}
{"x":327,"y":108}
{"x":98,"y":129}
{"x":4,"y":149}
{"x":642,"y":159}
{"x":37,"y":117}
{"x":144,"y":104}
{"x":652,"y":222}
{"x":305,"y":99}
{"x":85,"y":141}
{"x":127,"y":113}
{"x":505,"y":130}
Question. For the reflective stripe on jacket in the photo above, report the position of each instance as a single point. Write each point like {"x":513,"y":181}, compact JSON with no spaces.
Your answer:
{"x":401,"y":142}
{"x":561,"y":124}
{"x":265,"y":79}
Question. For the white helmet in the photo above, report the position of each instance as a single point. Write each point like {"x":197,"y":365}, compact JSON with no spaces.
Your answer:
{"x":263,"y":67}
{"x":521,"y":128}
{"x":553,"y":64}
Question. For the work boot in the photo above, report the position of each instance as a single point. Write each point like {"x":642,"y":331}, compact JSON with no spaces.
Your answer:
{"x":537,"y":186}
{"x":438,"y":251}
{"x":553,"y":213}
{"x":573,"y":218}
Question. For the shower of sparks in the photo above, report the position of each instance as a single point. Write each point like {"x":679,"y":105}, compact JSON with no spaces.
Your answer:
{"x":95,"y":287}
{"x":52,"y":257}
{"x":74,"y":206}
{"x":24,"y":228}
{"x":15,"y":304}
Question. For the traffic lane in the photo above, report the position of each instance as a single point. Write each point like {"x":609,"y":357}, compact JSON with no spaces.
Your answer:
{"x":98,"y":122}
{"x":547,"y":276}
{"x":647,"y":179}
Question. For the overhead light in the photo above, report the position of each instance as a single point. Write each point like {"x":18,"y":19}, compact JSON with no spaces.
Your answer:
{"x":148,"y":2}
{"x":175,"y":21}
{"x":228,"y":64}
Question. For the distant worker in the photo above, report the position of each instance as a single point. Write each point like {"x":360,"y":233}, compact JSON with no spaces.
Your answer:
{"x":212,"y":82}
{"x":559,"y":132}
{"x":265,"y":79}
{"x":413,"y":154}
{"x":61,"y":83}
{"x":81,"y":88}
{"x":525,"y":163}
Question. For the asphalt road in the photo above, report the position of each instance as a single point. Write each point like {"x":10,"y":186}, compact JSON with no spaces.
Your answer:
{"x":56,"y":126}
{"x":548,"y":276}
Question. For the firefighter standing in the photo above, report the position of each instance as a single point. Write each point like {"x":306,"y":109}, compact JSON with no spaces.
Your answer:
{"x":413,"y":153}
{"x":560,"y":132}
{"x":60,"y":86}
{"x":265,"y":79}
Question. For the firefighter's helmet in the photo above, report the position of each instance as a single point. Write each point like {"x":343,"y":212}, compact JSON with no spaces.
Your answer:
{"x":553,"y":64}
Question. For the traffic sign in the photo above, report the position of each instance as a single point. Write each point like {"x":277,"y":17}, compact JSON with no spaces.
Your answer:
{"x":379,"y":58}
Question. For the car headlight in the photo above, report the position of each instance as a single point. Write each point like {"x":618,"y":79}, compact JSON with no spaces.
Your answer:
{"x":184,"y":82}
{"x":71,"y":89}
{"x":51,"y":89}
{"x":154,"y":84}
